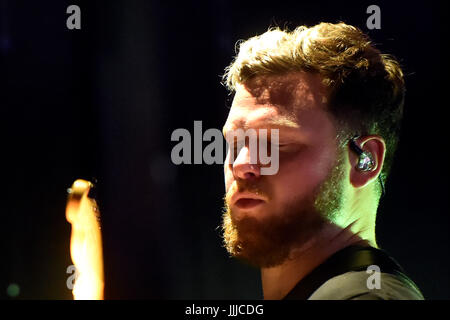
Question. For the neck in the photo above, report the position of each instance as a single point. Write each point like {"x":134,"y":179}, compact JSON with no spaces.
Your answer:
{"x":278,"y":281}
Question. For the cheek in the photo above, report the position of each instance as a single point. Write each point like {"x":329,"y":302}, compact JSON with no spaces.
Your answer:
{"x":228,"y":176}
{"x":301,"y":174}
{"x":227,"y":173}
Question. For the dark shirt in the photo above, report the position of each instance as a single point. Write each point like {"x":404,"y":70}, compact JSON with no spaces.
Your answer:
{"x":345,"y":276}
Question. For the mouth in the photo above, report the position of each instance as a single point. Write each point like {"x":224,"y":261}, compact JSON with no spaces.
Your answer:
{"x":247,"y":203}
{"x":246,"y":200}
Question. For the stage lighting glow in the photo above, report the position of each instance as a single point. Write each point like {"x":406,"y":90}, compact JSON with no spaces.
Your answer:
{"x":86,"y":242}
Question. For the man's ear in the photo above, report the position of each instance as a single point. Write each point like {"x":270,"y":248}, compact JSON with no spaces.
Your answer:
{"x":374,"y":145}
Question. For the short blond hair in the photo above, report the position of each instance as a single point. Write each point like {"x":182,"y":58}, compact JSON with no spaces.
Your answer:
{"x":366,"y":88}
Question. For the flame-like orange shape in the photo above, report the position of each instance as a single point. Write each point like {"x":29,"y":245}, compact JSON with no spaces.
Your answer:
{"x":86,"y":242}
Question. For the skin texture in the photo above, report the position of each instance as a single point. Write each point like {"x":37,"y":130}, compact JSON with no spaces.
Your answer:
{"x":316,"y":204}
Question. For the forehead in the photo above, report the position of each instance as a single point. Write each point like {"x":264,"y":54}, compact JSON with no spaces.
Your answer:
{"x":295,"y":101}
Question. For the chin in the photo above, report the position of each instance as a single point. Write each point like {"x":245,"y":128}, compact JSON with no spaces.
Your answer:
{"x":239,"y":214}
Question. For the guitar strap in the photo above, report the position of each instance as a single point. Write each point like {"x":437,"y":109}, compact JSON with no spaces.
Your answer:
{"x":352,"y":258}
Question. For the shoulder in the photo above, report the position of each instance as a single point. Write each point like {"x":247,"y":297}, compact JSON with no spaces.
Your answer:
{"x":357,"y":285}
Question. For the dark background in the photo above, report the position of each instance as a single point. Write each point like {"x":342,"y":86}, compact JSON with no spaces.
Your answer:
{"x":102,"y":102}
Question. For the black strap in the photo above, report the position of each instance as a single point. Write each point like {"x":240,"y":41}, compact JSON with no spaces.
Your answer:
{"x":352,"y":258}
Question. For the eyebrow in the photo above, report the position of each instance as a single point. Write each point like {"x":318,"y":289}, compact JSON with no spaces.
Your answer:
{"x":269,"y":122}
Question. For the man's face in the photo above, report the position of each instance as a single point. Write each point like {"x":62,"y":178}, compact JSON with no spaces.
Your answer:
{"x":267,"y":215}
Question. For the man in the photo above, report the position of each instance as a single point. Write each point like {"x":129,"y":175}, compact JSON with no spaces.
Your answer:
{"x":336,"y":104}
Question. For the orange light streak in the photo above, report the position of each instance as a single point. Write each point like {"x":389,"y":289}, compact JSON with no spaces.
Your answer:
{"x":86,"y":242}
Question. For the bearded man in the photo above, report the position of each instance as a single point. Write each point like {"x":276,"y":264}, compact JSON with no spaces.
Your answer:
{"x":335,"y":103}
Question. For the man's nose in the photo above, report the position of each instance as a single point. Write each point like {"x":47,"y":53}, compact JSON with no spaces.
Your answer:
{"x":246,"y":167}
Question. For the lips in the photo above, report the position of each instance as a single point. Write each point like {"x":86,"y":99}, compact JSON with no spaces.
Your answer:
{"x":246,"y":200}
{"x":248,"y":203}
